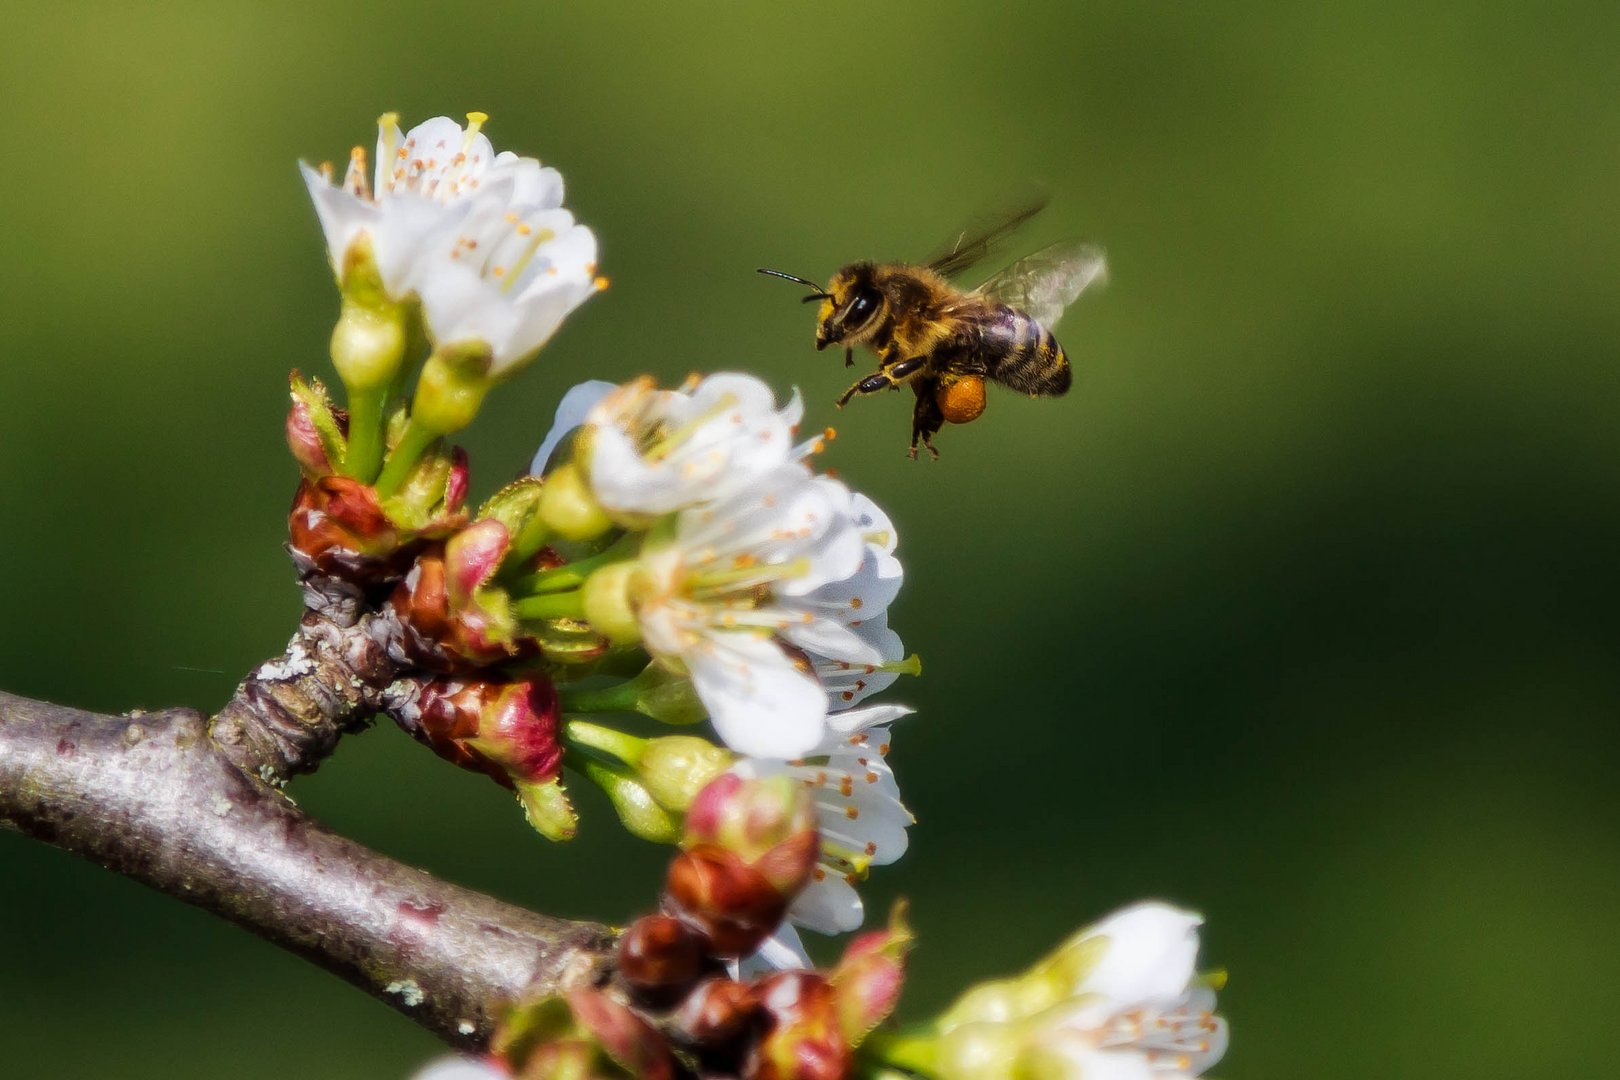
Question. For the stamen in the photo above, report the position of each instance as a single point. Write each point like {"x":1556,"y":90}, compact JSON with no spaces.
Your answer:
{"x":669,"y":441}
{"x":540,"y":237}
{"x":355,"y":179}
{"x":388,"y":150}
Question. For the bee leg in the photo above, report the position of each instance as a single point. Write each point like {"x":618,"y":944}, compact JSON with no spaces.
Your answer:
{"x":874,"y":382}
{"x":905,"y":368}
{"x":849,"y":356}
{"x":926,"y":419}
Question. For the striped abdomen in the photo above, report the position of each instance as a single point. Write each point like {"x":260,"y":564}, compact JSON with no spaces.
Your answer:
{"x":1023,"y":355}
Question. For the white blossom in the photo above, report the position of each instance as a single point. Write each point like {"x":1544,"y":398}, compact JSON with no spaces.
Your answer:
{"x":480,"y":239}
{"x":652,"y":451}
{"x":725,"y":593}
{"x":1138,"y":1012}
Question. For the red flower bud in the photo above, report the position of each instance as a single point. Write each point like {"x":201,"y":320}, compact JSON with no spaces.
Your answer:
{"x":734,"y":905}
{"x":508,"y":731}
{"x":441,"y":629}
{"x":804,"y":1041}
{"x":660,"y":958}
{"x":768,"y":823}
{"x":718,"y":1012}
{"x":315,"y":429}
{"x":337,"y":528}
{"x":869,"y":976}
{"x":472,"y":556}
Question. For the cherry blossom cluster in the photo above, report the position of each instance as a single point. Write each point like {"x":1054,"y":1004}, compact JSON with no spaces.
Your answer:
{"x":672,"y":557}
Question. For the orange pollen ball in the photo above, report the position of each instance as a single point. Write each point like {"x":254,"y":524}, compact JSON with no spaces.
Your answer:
{"x":962,"y":400}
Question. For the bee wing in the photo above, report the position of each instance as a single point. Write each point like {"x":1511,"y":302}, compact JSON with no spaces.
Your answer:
{"x":981,"y":236}
{"x":1043,"y":284}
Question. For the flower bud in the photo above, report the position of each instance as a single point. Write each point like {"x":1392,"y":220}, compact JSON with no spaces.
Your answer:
{"x":582,"y":1035}
{"x":768,"y":823}
{"x":675,"y":768}
{"x":368,"y":343}
{"x":569,"y":508}
{"x":869,"y":977}
{"x":442,"y":628}
{"x":450,"y":389}
{"x":337,"y":528}
{"x":660,"y":958}
{"x":638,"y":810}
{"x":505,"y":730}
{"x":718,"y":1012}
{"x":730,"y":902}
{"x":977,"y":1051}
{"x":804,"y":1041}
{"x":608,"y":608}
{"x":315,"y":428}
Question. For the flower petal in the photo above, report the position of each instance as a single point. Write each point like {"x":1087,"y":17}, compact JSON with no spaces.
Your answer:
{"x":1150,"y":958}
{"x":760,"y":703}
{"x":575,"y":405}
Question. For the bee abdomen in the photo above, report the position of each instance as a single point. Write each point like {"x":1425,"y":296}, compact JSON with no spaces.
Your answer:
{"x":1033,"y":362}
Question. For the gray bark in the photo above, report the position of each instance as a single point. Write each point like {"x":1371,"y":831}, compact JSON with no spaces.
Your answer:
{"x":194,"y":811}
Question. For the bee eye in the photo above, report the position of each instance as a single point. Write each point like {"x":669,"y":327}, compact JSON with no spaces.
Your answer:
{"x":862,"y":308}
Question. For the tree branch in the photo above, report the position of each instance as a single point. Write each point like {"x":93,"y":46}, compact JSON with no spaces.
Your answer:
{"x":156,"y":798}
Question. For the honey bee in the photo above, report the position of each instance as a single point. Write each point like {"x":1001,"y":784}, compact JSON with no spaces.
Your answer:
{"x":946,"y":342}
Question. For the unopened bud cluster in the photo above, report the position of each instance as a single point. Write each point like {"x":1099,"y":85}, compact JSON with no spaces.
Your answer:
{"x":747,"y":849}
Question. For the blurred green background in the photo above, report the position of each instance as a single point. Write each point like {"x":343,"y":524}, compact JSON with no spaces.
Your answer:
{"x":1300,"y":609}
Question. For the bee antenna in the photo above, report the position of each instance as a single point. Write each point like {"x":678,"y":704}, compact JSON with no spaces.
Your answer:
{"x":819,"y":293}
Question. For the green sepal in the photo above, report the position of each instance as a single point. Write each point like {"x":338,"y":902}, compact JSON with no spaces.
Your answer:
{"x":568,"y":641}
{"x":547,"y":808}
{"x":517,"y":506}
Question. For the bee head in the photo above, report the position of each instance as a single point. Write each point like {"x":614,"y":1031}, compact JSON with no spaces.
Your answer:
{"x":850,"y":307}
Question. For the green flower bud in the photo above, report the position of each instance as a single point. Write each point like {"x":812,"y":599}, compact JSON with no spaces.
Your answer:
{"x":368,"y":345}
{"x":675,"y":768}
{"x":450,"y":390}
{"x":668,"y":697}
{"x":638,"y":810}
{"x":568,"y":507}
{"x":977,"y":1051}
{"x":606,"y":596}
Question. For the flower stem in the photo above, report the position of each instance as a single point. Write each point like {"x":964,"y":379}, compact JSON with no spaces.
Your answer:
{"x":365,"y":448}
{"x":620,"y":697}
{"x":411,"y":446}
{"x":572,"y":575}
{"x":621,"y":744}
{"x":559,"y":605}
